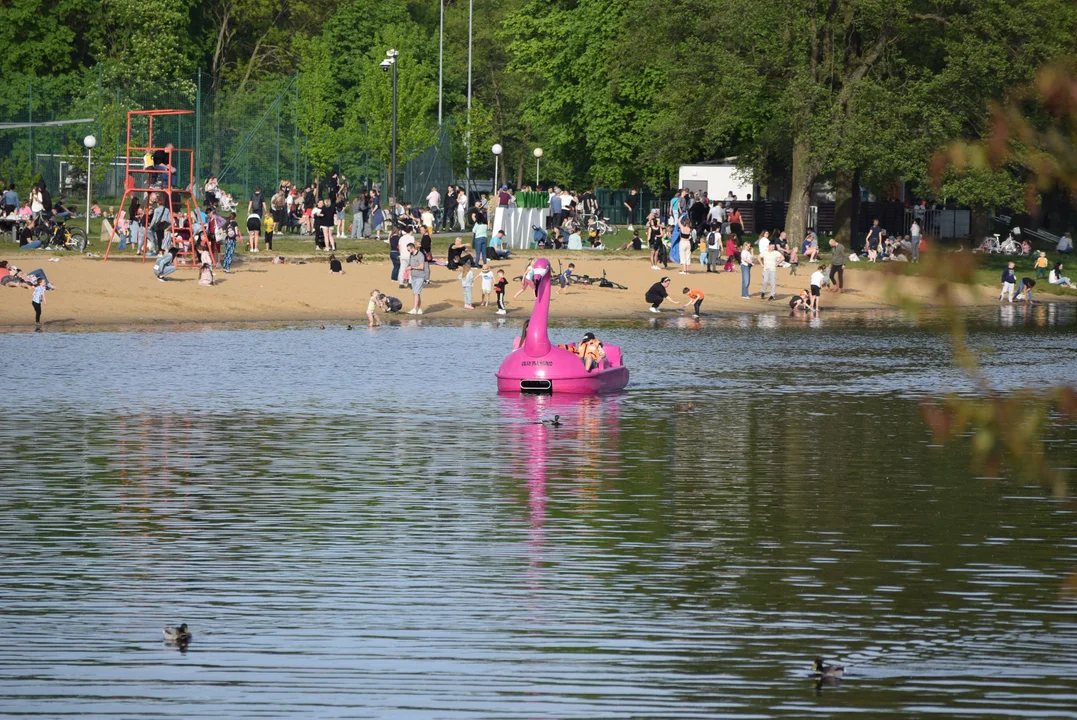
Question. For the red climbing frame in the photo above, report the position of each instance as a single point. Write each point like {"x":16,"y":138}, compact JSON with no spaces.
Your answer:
{"x":142,"y":180}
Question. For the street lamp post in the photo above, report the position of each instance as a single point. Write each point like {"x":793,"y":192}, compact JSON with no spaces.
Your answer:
{"x":496,"y":149}
{"x":90,"y":142}
{"x":467,"y":137}
{"x":390,"y":64}
{"x":441,"y":60}
{"x":538,"y":160}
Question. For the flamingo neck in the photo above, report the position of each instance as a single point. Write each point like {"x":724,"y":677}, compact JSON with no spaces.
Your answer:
{"x":537,"y":341}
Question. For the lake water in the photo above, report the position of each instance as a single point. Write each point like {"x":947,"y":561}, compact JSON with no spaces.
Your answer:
{"x":354,"y":524}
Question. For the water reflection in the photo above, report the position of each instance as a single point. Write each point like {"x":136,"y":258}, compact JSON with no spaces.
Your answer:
{"x":402,"y":541}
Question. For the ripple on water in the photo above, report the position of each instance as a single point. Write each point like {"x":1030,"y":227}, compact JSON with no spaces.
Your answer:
{"x":356,"y":526}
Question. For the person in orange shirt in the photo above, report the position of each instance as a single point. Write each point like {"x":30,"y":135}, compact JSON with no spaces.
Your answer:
{"x":695,"y":296}
{"x":590,"y":351}
{"x":1041,"y":265}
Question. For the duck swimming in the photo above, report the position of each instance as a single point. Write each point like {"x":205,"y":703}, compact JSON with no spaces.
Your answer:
{"x":179,"y":635}
{"x":820,"y":670}
{"x":556,"y":422}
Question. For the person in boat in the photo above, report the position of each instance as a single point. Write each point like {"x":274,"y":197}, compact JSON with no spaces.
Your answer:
{"x":590,"y":351}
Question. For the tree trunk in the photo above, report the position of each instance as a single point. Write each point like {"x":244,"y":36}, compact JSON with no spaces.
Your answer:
{"x":979,"y":222}
{"x":804,"y":174}
{"x":846,"y":207}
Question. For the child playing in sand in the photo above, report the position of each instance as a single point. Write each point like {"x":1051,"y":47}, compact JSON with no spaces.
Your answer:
{"x":1025,"y":290}
{"x":817,"y":279}
{"x":695,"y":296}
{"x":528,"y":280}
{"x":565,"y":278}
{"x":1008,"y":282}
{"x":467,"y":280}
{"x":499,"y":289}
{"x":38,"y":299}
{"x":372,"y":309}
{"x":487,"y":277}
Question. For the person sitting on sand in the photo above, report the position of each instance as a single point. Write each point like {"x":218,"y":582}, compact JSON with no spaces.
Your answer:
{"x":458,"y":254}
{"x":335,"y":268}
{"x":590,"y":351}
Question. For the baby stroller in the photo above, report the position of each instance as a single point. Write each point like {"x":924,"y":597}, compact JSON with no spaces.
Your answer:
{"x":541,"y":238}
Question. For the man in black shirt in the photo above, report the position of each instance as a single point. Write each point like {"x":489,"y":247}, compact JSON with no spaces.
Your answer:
{"x":631,"y":203}
{"x":256,"y":204}
{"x":658,"y":293}
{"x":698,"y":215}
{"x":590,"y":203}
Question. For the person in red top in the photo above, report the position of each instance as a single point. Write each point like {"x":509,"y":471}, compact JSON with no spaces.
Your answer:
{"x":695,"y":296}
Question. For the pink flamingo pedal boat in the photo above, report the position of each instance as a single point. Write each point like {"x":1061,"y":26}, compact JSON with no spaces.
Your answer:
{"x":537,"y":366}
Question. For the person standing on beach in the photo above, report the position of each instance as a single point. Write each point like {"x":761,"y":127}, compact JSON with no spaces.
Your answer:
{"x":684,"y":243}
{"x":1009,"y":281}
{"x":714,"y":248}
{"x":837,"y":266}
{"x":746,"y":262}
{"x":479,"y":243}
{"x":372,"y":309}
{"x":874,"y":236}
{"x":654,"y":238}
{"x":499,"y":289}
{"x":487,"y":277}
{"x":39,"y":299}
{"x":770,"y":259}
{"x":418,"y":271}
{"x":467,"y":281}
{"x":817,"y":279}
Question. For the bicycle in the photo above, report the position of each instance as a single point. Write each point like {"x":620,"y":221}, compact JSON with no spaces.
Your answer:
{"x":603,"y":281}
{"x":601,"y":224}
{"x":56,"y":235}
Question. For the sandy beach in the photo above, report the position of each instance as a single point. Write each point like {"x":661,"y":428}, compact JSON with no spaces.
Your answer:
{"x":124,"y":291}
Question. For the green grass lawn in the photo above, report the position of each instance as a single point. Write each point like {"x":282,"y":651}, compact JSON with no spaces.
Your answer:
{"x":988,"y":267}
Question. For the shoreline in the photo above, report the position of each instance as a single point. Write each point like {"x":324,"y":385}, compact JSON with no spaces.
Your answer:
{"x":124,"y":294}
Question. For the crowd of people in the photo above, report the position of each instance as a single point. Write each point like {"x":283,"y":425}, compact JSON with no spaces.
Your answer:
{"x":691,"y":224}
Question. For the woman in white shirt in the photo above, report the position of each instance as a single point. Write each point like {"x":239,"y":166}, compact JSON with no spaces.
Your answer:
{"x":36,"y":203}
{"x":1057,"y":278}
{"x":746,"y":262}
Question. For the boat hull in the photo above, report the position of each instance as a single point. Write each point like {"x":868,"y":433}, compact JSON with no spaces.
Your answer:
{"x":561,"y":372}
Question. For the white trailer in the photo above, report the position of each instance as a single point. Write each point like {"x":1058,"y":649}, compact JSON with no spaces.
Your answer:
{"x":716,"y":179}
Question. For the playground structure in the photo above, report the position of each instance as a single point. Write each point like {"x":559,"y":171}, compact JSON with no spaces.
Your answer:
{"x":173,"y":180}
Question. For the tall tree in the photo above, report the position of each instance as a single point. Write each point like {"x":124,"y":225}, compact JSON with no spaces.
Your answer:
{"x":841,"y":86}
